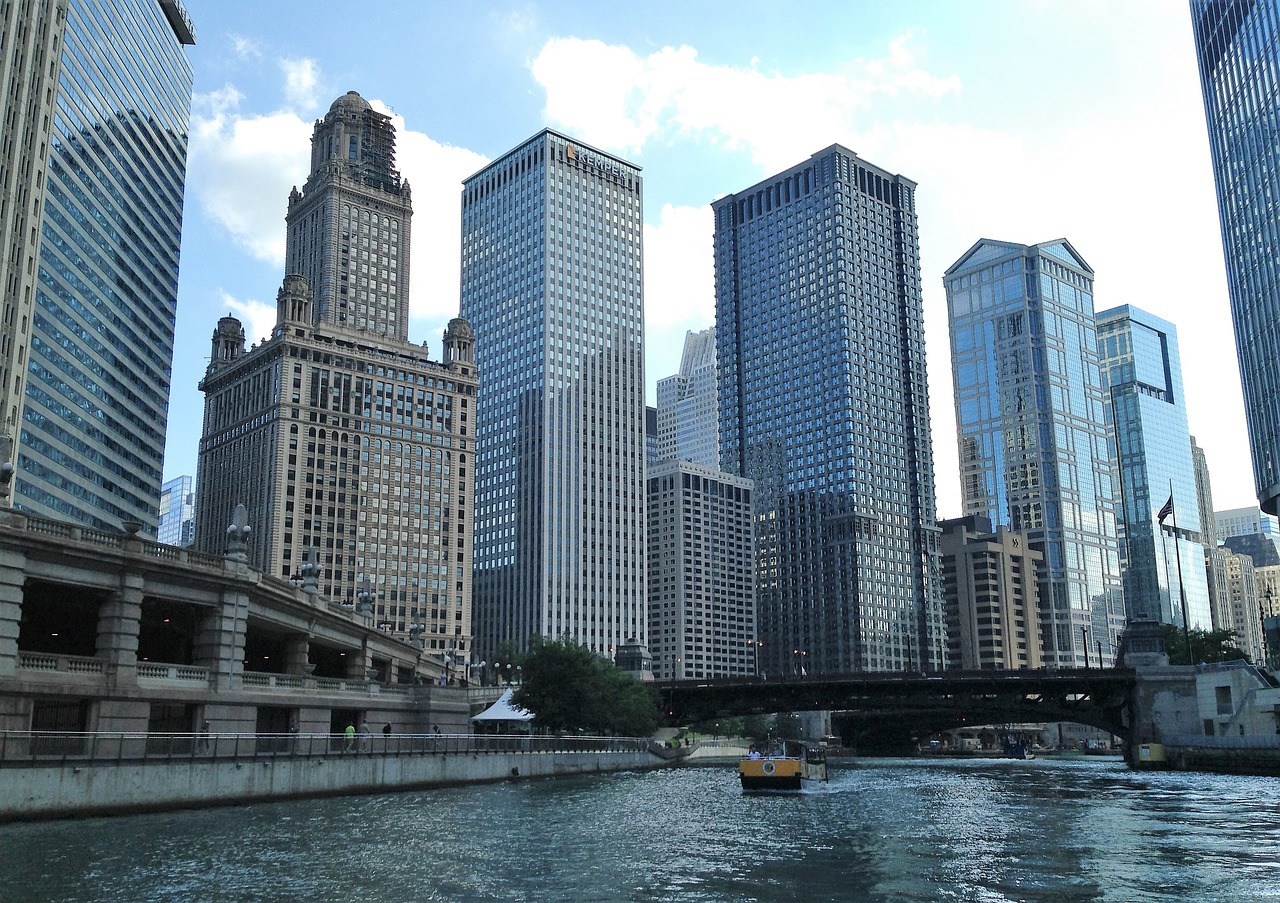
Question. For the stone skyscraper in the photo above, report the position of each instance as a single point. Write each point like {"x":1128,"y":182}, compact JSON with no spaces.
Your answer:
{"x":688,"y":414}
{"x":1031,"y":429}
{"x":1238,"y":48}
{"x":823,"y":403}
{"x":342,"y":438}
{"x":96,"y":97}
{"x":551,"y":282}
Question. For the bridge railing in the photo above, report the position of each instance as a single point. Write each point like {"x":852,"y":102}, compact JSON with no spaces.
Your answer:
{"x":46,"y":748}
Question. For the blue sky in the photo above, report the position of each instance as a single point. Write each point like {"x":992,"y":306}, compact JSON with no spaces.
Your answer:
{"x":1021,"y":121}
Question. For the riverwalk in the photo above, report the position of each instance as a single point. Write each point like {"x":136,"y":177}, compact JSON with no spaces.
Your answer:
{"x":59,"y":775}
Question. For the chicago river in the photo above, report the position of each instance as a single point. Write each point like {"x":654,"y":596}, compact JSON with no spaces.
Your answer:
{"x":882,"y":830}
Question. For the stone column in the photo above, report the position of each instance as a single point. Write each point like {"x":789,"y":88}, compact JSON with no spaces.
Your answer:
{"x":12,"y":578}
{"x":219,"y":639}
{"x":295,"y":655}
{"x":119,"y":621}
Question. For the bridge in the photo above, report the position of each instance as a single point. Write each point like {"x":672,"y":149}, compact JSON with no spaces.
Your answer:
{"x":890,"y":711}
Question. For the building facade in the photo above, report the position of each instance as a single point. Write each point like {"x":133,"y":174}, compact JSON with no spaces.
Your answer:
{"x":1246,"y":522}
{"x":701,"y":574}
{"x":1030,"y":413}
{"x":177,"y":525}
{"x":1161,"y":558}
{"x":824,"y":405}
{"x":551,"y":283}
{"x":1245,"y":612}
{"x":102,"y":97}
{"x":1238,"y":50}
{"x":991,"y":596}
{"x":349,"y":448}
{"x":688,"y":413}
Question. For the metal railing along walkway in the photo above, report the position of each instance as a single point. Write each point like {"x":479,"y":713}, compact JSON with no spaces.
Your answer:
{"x":53,"y":748}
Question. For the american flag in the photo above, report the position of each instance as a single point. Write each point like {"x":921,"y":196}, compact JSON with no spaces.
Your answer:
{"x":1165,"y":511}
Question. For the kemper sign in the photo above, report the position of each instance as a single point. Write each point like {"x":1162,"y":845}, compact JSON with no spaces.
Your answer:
{"x":593,"y":161}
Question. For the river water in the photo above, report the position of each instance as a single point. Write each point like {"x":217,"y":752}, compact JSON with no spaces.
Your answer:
{"x":882,"y":830}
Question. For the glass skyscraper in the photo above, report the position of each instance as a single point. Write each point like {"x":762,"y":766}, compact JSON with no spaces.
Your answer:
{"x":1238,"y":46}
{"x":551,"y":283}
{"x":823,"y":403}
{"x":688,"y":413}
{"x":1031,"y":430}
{"x":1161,"y":563}
{"x":91,"y":444}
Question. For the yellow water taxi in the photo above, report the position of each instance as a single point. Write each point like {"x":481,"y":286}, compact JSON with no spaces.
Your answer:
{"x":789,"y":766}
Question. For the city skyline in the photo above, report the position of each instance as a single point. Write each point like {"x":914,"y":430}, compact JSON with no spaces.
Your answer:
{"x":913,"y":90}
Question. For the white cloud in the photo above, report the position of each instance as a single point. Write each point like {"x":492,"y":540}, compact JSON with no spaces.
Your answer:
{"x":679,"y":289}
{"x":246,"y":48}
{"x":258,"y":317}
{"x":301,"y":81}
{"x":241,"y":169}
{"x":612,"y":97}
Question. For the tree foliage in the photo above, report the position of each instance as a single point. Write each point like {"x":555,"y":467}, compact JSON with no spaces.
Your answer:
{"x":568,"y":687}
{"x":1206,"y":645}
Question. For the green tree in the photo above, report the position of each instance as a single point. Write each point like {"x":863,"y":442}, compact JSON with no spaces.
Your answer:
{"x":568,"y":687}
{"x":1206,"y":645}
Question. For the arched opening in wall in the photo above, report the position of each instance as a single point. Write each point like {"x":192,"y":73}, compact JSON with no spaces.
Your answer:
{"x":166,"y":632}
{"x":59,"y":619}
{"x":264,"y":651}
{"x":329,"y":661}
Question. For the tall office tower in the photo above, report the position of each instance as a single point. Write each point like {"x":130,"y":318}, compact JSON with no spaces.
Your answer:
{"x":551,"y":282}
{"x":824,"y":405}
{"x":1245,"y":613}
{"x":1204,"y":496}
{"x":688,"y":418}
{"x":1238,"y":48}
{"x":990,"y":592}
{"x":701,"y":575}
{"x":97,"y":98}
{"x":1161,"y":559}
{"x":348,"y":229}
{"x":1215,"y":559}
{"x":177,"y":525}
{"x":345,"y":441}
{"x":1031,"y":431}
{"x":650,"y":435}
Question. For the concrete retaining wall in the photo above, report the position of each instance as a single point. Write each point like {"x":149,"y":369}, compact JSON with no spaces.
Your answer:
{"x":60,"y":792}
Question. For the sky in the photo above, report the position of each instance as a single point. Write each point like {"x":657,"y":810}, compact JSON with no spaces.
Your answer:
{"x":1021,"y":120}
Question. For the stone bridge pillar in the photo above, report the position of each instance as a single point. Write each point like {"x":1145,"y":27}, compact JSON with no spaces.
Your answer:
{"x":219,"y":640}
{"x":12,"y":578}
{"x":119,"y":621}
{"x":295,"y":655}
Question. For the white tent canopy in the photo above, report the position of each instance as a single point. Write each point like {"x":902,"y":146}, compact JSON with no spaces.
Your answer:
{"x":503,"y":710}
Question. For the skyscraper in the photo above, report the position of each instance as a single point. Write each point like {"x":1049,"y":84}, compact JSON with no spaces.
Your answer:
{"x":343,"y":440}
{"x":551,"y":282}
{"x":177,"y":526}
{"x":823,"y":403}
{"x":990,"y":596}
{"x":701,"y":572}
{"x":1031,"y":432}
{"x":1238,"y":47}
{"x":688,"y":416}
{"x":1162,"y":561}
{"x":100,"y":94}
